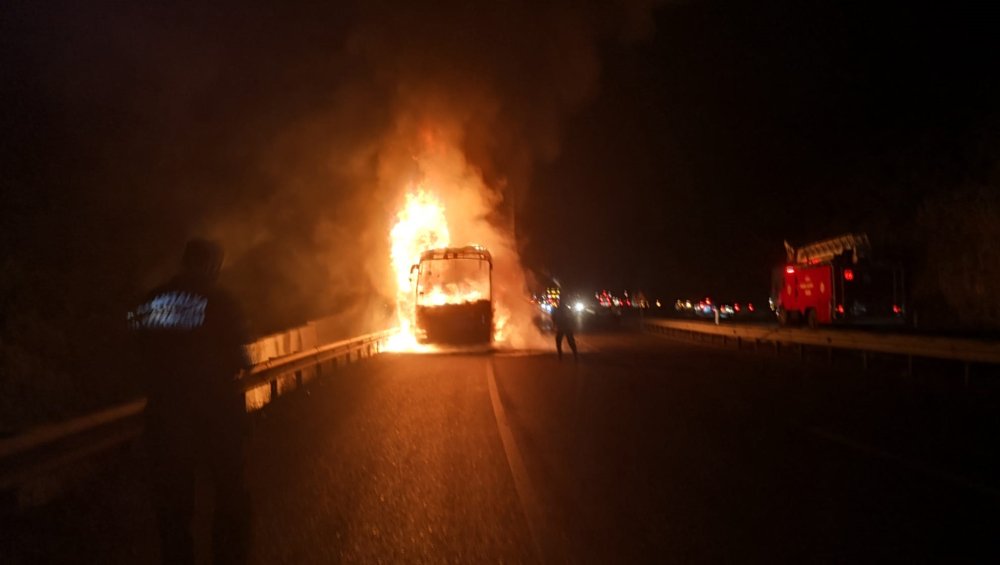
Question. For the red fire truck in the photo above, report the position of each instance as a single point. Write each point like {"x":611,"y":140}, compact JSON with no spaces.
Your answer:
{"x":836,"y":281}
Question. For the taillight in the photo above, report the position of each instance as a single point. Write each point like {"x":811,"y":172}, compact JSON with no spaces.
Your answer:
{"x":790,"y":270}
{"x":896,"y":309}
{"x":840,"y":308}
{"x":848,"y":274}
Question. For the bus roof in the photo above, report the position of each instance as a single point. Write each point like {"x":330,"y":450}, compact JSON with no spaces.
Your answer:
{"x":477,"y":252}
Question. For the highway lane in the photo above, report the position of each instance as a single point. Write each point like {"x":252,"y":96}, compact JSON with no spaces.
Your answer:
{"x":399,"y":462}
{"x":647,"y":449}
{"x":705,"y":455}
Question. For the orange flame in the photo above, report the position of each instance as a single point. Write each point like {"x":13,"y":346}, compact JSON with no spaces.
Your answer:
{"x":420,"y":225}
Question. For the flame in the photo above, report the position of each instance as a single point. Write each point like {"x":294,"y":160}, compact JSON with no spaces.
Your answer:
{"x":501,"y":326}
{"x":440,"y":295}
{"x":420,"y":225}
{"x":451,"y":205}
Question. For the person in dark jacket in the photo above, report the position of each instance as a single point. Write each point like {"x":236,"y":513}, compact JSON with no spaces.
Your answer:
{"x":191,"y":338}
{"x":563,"y":323}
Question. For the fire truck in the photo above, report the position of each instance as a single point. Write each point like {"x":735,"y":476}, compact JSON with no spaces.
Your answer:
{"x":454,"y":295}
{"x":836,"y":281}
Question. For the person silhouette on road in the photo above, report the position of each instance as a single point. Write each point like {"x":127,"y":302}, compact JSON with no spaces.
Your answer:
{"x":190,"y":337}
{"x":563,"y":323}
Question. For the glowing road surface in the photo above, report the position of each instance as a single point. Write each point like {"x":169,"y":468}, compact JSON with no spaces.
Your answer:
{"x":647,"y":449}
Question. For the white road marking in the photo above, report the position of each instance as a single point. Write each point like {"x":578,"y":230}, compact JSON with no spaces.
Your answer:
{"x":530,"y":503}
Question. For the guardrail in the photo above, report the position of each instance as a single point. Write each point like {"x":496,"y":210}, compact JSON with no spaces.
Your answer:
{"x":291,"y":369}
{"x":963,"y":350}
{"x":48,"y":448}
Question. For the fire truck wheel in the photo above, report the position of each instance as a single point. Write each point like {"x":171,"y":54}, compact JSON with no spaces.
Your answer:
{"x":811,"y":318}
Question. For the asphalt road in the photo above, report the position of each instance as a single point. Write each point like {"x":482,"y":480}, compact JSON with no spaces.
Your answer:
{"x":646,"y":450}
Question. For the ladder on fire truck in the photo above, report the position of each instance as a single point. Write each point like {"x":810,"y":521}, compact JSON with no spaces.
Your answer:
{"x":826,"y":250}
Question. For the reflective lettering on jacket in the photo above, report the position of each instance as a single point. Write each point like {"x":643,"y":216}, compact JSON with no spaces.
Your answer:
{"x":170,"y":310}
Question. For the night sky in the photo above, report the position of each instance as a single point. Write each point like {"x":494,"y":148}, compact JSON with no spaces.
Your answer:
{"x":671,"y":148}
{"x":741,"y":125}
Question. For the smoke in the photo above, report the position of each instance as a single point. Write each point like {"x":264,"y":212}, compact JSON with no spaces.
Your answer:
{"x":478,"y":95}
{"x":291,"y":134}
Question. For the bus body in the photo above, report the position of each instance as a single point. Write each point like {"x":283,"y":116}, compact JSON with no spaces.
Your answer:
{"x":454,"y":295}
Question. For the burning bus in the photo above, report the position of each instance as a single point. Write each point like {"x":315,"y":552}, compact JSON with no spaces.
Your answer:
{"x":454,"y":295}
